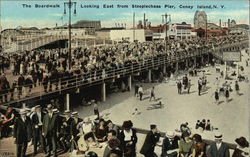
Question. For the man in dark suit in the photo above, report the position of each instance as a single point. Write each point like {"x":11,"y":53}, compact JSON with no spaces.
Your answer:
{"x":170,"y":145}
{"x":37,"y":122}
{"x":218,"y":148}
{"x":150,"y":142}
{"x":199,"y":86}
{"x":74,"y":130}
{"x":66,"y":130}
{"x":22,"y":133}
{"x":50,"y":131}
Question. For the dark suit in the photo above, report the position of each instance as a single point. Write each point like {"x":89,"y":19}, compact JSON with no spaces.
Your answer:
{"x":199,"y":87}
{"x":37,"y":132}
{"x":73,"y":130}
{"x":238,"y":153}
{"x":50,"y":132}
{"x":149,"y":144}
{"x":166,"y":146}
{"x":22,"y":133}
{"x":129,"y":150}
{"x":222,"y":152}
{"x":66,"y":130}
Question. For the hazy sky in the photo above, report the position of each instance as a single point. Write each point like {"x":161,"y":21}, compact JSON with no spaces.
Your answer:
{"x":13,"y":14}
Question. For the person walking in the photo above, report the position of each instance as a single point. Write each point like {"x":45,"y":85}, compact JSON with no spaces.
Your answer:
{"x":150,"y":142}
{"x":37,"y":119}
{"x":45,"y":82}
{"x":188,"y":85}
{"x":28,"y":85}
{"x":152,"y":93}
{"x":237,"y":88}
{"x":22,"y":133}
{"x":140,"y":91}
{"x":199,"y":86}
{"x":136,"y":90}
{"x":20,"y":83}
{"x":185,"y":81}
{"x":179,"y":87}
{"x":216,"y":96}
{"x":50,"y":130}
{"x":227,"y":94}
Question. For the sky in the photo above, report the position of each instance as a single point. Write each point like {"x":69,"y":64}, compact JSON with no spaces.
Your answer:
{"x":13,"y":14}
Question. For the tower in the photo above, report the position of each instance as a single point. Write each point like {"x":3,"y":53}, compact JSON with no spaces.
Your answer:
{"x":200,"y":19}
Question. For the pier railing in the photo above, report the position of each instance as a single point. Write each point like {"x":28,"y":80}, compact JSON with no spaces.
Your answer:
{"x":102,"y":75}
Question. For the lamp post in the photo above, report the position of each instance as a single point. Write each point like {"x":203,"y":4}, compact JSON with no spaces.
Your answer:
{"x":69,"y":5}
{"x":1,"y":47}
{"x":166,"y":19}
{"x":206,"y":29}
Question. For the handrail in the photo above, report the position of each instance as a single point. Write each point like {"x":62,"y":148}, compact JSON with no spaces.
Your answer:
{"x":99,"y":71}
{"x":114,"y":73}
{"x":175,"y":59}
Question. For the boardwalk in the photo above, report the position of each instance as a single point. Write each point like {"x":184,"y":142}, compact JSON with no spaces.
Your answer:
{"x":150,"y":63}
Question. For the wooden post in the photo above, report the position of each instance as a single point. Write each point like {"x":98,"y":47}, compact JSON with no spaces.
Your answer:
{"x":149,"y":75}
{"x":103,"y":91}
{"x":176,"y":66}
{"x":129,"y":82}
{"x":67,"y":101}
{"x":225,"y":72}
{"x":164,"y":69}
{"x":237,"y":72}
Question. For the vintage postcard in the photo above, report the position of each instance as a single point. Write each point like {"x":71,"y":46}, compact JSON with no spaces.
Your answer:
{"x":127,"y":78}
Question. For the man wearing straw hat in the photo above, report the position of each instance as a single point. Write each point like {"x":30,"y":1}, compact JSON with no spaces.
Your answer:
{"x":66,"y":128}
{"x":218,"y":148}
{"x":22,"y":133}
{"x":74,"y":130}
{"x":170,"y":145}
{"x":50,"y":130}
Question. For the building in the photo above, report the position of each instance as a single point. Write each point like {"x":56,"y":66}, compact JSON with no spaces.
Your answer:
{"x":128,"y":35}
{"x":158,"y":32}
{"x":179,"y":31}
{"x":174,"y":31}
{"x":200,"y":19}
{"x":88,"y":26}
{"x":104,"y":33}
{"x":158,"y":29}
{"x":96,"y":25}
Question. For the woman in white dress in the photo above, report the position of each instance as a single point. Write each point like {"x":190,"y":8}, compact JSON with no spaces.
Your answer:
{"x":21,"y":68}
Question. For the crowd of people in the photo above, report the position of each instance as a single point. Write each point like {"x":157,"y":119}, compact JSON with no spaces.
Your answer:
{"x":53,"y":133}
{"x":50,"y":68}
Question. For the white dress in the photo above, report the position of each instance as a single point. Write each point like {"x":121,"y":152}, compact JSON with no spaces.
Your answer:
{"x":21,"y":68}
